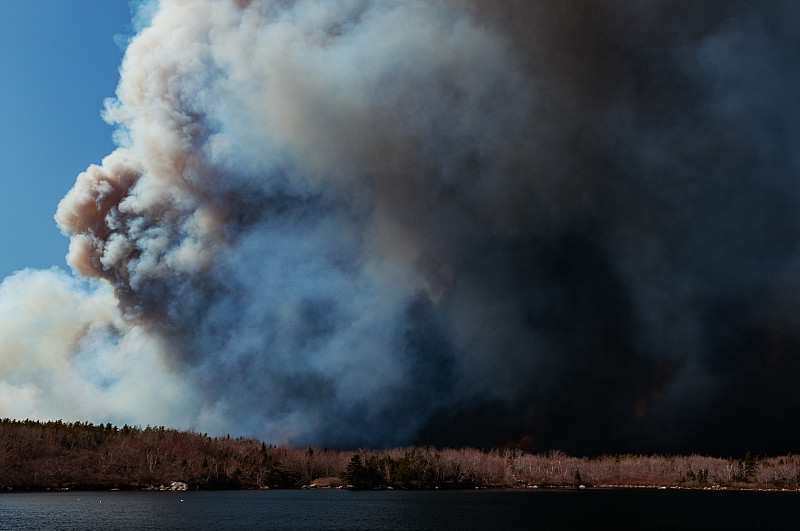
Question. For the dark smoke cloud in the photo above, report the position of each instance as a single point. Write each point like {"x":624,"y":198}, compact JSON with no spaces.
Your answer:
{"x":566,"y":224}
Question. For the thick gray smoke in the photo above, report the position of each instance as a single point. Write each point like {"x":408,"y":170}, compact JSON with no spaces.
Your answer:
{"x":566,"y":223}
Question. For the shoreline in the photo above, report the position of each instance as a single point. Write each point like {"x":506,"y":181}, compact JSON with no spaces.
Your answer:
{"x":81,"y":456}
{"x":603,"y":487}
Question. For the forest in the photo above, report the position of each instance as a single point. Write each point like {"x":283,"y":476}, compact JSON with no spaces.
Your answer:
{"x":60,"y":455}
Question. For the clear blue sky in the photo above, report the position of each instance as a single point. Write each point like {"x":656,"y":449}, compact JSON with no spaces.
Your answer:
{"x":59,"y":60}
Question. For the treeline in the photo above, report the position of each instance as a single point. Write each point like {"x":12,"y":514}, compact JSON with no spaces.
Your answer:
{"x":81,"y":455}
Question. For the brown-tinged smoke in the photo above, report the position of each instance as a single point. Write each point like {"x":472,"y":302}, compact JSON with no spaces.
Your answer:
{"x":568,"y":223}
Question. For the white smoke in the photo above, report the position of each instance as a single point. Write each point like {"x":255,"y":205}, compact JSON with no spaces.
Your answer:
{"x":278,"y":171}
{"x":67,"y":353}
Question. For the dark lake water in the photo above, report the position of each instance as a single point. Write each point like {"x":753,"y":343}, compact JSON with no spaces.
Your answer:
{"x":337,"y":509}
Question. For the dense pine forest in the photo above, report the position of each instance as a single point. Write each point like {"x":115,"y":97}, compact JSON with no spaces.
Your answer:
{"x":62,"y":455}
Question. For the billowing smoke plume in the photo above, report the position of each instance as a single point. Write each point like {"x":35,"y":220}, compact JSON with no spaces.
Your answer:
{"x":566,"y":223}
{"x":67,"y":353}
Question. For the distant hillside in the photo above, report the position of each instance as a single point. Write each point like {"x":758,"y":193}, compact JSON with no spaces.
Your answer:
{"x":80,"y":455}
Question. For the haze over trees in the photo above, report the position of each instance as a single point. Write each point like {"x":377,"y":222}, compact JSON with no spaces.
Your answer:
{"x":81,"y":455}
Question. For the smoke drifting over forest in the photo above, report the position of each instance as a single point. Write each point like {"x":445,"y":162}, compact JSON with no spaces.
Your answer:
{"x":568,"y":224}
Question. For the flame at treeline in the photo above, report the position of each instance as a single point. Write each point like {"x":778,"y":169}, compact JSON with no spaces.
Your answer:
{"x":361,"y":223}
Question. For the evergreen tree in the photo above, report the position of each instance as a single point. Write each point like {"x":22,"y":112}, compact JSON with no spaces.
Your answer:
{"x":355,"y":473}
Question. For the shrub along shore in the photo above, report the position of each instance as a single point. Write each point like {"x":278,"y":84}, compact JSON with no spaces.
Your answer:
{"x":79,"y":455}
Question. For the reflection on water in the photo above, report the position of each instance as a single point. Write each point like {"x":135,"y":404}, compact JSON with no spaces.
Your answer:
{"x":336,"y":509}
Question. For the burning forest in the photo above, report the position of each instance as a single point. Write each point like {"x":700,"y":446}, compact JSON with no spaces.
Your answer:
{"x":558,"y":224}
